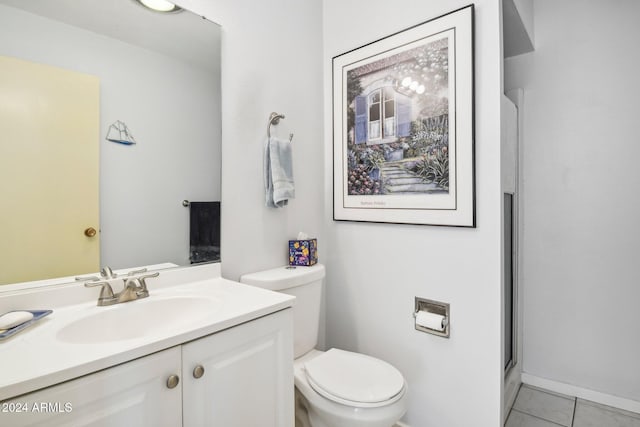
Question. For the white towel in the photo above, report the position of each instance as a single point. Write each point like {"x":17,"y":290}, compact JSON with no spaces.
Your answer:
{"x":278,"y":173}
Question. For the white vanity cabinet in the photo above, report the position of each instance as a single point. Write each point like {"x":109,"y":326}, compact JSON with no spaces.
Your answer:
{"x":244,"y":379}
{"x":132,"y":394}
{"x":241,"y":377}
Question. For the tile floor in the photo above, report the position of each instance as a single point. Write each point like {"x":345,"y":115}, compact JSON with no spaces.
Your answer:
{"x":535,"y":407}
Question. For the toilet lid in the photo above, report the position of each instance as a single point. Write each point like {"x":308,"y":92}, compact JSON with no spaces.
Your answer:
{"x":349,"y":378}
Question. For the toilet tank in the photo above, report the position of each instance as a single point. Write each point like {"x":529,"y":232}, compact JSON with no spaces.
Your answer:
{"x":304,"y":283}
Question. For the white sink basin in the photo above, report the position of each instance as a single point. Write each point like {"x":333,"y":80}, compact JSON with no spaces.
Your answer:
{"x":135,"y":319}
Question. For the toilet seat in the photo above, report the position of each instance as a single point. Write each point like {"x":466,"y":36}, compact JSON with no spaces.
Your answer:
{"x":354,"y":379}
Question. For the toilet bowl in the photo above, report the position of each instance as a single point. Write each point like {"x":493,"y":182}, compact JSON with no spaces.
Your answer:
{"x":323,"y":407}
{"x":335,"y":388}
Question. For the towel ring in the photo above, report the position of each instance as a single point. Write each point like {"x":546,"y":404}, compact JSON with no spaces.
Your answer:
{"x":274,"y":119}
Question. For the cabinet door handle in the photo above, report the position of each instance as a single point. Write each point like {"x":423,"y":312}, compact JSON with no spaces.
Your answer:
{"x":173,"y":381}
{"x":198,"y":371}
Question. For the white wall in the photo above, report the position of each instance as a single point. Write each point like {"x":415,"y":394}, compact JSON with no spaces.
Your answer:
{"x":177,"y":128}
{"x":525,"y":10}
{"x":271,"y":61}
{"x":581,"y":177}
{"x":517,"y":25}
{"x":376,"y":270}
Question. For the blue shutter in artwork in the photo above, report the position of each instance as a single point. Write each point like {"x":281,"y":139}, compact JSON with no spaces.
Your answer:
{"x":361,"y":119}
{"x":403,"y":116}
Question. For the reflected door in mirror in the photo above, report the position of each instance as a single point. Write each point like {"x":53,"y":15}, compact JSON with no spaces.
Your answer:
{"x":50,"y":131}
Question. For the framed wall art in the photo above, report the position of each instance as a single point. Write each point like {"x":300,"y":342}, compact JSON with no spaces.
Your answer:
{"x":403,"y":126}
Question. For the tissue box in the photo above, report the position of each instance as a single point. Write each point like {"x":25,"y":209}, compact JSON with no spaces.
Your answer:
{"x":303,"y":252}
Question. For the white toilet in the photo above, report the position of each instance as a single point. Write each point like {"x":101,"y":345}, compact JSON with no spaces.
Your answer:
{"x":335,"y":388}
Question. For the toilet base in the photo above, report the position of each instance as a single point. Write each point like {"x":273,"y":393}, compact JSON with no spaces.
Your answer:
{"x":306,"y":417}
{"x":301,"y":413}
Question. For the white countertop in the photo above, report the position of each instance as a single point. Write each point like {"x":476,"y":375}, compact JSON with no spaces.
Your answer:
{"x":36,"y":358}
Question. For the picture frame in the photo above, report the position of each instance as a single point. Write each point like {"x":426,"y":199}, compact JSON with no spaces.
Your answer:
{"x":403,"y":126}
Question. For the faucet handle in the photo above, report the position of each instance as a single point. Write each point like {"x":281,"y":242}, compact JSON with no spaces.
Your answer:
{"x":142,"y":280}
{"x":88,"y":278}
{"x":107,"y":273}
{"x":134,"y":272}
{"x":106,"y":292}
{"x":147,"y":276}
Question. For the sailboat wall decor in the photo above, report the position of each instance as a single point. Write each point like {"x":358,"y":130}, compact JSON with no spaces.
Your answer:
{"x":120,"y":133}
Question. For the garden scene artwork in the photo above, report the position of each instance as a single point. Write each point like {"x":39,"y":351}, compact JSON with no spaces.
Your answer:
{"x":403,"y":126}
{"x":398,"y":123}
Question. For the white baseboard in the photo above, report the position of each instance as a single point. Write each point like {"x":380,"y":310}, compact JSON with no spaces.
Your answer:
{"x":582,"y":393}
{"x":401,"y":424}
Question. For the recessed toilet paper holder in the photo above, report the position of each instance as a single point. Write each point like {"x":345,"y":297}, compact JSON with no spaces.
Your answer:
{"x":434,"y":307}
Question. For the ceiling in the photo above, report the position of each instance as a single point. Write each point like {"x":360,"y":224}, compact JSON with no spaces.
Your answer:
{"x":183,"y":35}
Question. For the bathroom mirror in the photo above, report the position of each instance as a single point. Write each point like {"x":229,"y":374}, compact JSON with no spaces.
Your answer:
{"x":158,"y":74}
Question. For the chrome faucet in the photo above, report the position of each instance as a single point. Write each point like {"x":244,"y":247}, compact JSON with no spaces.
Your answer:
{"x":135,"y":285}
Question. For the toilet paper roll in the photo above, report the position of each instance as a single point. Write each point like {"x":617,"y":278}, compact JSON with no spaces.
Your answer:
{"x":430,"y":320}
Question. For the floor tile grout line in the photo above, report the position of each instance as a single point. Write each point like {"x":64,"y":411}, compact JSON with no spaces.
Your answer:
{"x":597,"y":406}
{"x":611,"y":409}
{"x":537,"y":417}
{"x":512,"y":404}
{"x":552,"y":395}
{"x":575,"y":406}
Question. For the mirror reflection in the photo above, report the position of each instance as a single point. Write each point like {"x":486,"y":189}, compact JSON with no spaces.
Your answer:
{"x":74,"y":201}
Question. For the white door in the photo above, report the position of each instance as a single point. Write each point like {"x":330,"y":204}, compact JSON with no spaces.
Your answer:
{"x":247,"y":377}
{"x":131,"y":394}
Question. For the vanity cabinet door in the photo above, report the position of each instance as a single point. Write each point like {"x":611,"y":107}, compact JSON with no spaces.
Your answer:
{"x":132,"y":394}
{"x":245,"y":375}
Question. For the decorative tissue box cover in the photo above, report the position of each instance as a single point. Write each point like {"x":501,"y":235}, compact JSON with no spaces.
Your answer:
{"x":303,"y":252}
